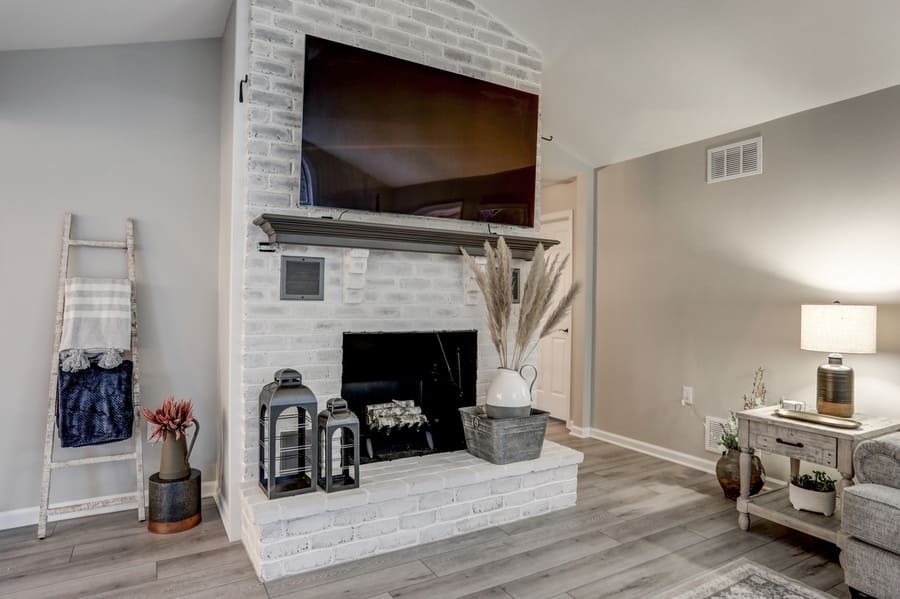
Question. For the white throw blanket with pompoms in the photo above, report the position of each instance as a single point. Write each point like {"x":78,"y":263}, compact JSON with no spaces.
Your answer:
{"x":96,"y":319}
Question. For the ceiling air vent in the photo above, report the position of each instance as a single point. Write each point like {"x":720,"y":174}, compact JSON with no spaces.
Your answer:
{"x":735,"y":160}
{"x":714,"y":428}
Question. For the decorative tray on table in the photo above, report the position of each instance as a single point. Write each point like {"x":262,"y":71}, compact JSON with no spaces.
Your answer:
{"x":819,"y":418}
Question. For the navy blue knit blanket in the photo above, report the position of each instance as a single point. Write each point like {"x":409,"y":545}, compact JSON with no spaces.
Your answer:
{"x":95,"y":405}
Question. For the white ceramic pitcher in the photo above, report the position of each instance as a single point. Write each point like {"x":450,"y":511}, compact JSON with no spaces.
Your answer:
{"x":509,"y":396}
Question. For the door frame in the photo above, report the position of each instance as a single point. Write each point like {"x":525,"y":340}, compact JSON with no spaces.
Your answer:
{"x":568,"y":216}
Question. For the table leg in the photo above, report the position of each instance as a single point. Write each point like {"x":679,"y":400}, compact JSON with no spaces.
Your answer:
{"x":846,"y":481}
{"x":795,"y":469}
{"x":743,"y":516}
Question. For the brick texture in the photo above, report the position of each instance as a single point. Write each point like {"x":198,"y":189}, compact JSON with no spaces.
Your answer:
{"x":280,"y":543}
{"x":456,"y":36}
{"x":364,"y":291}
{"x":406,"y":502}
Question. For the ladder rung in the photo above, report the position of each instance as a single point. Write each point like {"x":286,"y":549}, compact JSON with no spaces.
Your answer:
{"x":100,"y":459}
{"x":116,"y":245}
{"x":78,"y":507}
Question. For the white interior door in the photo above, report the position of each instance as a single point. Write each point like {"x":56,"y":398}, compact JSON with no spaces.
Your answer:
{"x":552,"y":390}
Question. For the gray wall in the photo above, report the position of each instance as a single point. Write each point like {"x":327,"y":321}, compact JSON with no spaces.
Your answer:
{"x":107,"y":133}
{"x":699,"y":284}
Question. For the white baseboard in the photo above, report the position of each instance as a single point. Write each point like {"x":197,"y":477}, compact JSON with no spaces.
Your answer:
{"x":684,"y":459}
{"x":29,"y":515}
{"x":577,"y":431}
{"x":708,"y":466}
{"x":224,"y":508}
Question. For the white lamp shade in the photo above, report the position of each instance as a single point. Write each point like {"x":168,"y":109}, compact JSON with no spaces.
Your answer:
{"x":838,"y":328}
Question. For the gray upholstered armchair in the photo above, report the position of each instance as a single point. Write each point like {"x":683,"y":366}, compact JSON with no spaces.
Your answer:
{"x":871,"y":520}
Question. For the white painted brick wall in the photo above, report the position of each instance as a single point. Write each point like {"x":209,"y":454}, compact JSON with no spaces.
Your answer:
{"x":350,"y":525}
{"x":454,"y":35}
{"x":381,"y":291}
{"x":401,"y":292}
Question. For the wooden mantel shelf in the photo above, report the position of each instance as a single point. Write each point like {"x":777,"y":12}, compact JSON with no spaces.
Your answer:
{"x":304,"y":230}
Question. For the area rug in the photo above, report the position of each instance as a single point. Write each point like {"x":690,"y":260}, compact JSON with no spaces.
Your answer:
{"x":742,"y":579}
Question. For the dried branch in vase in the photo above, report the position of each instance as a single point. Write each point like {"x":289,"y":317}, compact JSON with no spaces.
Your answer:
{"x":757,"y":397}
{"x":536,"y":318}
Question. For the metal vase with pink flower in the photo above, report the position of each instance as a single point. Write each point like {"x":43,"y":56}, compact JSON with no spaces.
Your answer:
{"x":172,"y":421}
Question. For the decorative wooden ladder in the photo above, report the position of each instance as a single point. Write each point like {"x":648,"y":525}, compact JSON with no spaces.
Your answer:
{"x":50,"y":465}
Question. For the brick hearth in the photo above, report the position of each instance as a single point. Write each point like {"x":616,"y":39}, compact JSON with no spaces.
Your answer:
{"x":403,"y":503}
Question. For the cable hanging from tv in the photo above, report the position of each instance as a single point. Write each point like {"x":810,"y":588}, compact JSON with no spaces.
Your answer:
{"x":330,"y":217}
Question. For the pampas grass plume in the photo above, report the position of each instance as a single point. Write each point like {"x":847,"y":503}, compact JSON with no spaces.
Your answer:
{"x":541,"y":286}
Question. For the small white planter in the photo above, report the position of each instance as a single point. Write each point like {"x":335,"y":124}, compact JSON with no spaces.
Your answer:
{"x":812,"y":501}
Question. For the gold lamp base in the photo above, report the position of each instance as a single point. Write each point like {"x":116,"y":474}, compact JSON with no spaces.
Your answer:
{"x":834,"y":388}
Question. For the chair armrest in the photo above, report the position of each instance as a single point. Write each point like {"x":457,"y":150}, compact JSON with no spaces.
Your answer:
{"x":878,"y":461}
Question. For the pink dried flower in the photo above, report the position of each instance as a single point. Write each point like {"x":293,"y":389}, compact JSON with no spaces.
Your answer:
{"x":174,"y":417}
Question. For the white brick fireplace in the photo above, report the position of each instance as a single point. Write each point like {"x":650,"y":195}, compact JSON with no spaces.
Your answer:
{"x":399,"y":291}
{"x":368,"y":291}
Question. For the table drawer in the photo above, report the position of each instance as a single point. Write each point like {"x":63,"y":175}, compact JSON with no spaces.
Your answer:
{"x":803,"y":445}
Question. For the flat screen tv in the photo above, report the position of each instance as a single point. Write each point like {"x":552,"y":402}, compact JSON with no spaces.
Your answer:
{"x":389,"y":135}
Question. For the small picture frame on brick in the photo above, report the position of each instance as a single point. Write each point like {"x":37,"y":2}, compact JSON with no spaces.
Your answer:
{"x":516,"y":285}
{"x":302,"y":278}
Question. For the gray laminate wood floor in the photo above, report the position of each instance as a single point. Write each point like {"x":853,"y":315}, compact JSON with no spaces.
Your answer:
{"x":641,"y":524}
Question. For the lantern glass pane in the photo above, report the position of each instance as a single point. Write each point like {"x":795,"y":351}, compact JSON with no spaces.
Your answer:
{"x":263,"y":447}
{"x":292,"y":461}
{"x":340,"y":468}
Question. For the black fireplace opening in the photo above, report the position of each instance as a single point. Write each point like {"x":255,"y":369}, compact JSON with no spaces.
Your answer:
{"x":407,"y":388}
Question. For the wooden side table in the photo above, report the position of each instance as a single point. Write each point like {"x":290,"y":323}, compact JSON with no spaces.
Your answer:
{"x":761,"y":430}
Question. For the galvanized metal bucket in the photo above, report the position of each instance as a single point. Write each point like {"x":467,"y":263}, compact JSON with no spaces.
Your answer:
{"x":504,"y":440}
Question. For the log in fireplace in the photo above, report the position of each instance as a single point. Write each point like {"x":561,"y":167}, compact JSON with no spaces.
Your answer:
{"x":407,"y":388}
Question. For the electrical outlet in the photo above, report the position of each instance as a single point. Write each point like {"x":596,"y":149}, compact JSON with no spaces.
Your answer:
{"x":687,"y":396}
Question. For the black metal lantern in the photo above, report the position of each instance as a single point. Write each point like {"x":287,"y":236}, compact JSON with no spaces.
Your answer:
{"x":287,"y":436}
{"x":335,"y":419}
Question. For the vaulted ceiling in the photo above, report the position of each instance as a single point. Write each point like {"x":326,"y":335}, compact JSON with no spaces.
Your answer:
{"x":624,"y":78}
{"x":32,"y":24}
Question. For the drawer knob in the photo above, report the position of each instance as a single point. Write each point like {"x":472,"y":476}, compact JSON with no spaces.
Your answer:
{"x":783,"y":442}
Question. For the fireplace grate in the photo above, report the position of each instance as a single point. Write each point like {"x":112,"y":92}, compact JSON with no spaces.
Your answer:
{"x":407,"y":388}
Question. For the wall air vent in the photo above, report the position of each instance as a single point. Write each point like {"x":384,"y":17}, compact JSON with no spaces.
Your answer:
{"x":740,"y":159}
{"x":714,"y":428}
{"x":302,"y":278}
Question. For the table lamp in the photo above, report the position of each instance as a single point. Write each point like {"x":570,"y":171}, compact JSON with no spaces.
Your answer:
{"x":837,"y":329}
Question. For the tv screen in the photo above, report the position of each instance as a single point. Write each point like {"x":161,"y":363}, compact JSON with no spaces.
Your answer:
{"x":388,"y":135}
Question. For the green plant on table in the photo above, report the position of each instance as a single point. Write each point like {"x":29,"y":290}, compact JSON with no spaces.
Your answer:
{"x":817,"y":481}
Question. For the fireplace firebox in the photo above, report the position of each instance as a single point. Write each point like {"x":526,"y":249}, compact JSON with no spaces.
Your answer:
{"x":407,"y":388}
